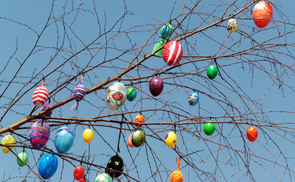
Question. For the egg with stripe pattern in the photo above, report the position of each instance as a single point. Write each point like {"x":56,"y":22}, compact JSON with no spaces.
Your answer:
{"x":166,"y":31}
{"x":79,"y":92}
{"x":131,"y":94}
{"x":40,"y":96}
{"x":172,"y":53}
{"x":39,"y":134}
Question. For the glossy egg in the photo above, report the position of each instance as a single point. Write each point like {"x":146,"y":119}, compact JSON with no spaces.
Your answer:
{"x":139,"y":119}
{"x":193,"y":99}
{"x":212,"y":71}
{"x":45,"y":106}
{"x":39,"y":134}
{"x":171,"y":139}
{"x":262,"y":14}
{"x":131,"y":94}
{"x":116,"y":95}
{"x":156,"y":86}
{"x":157,"y":46}
{"x":79,"y":172}
{"x":209,"y":128}
{"x":47,"y":165}
{"x":130,"y":141}
{"x":88,"y":135}
{"x":103,"y":177}
{"x":138,"y":137}
{"x":166,"y":31}
{"x":172,"y":53}
{"x":232,"y":25}
{"x":64,"y":139}
{"x":8,"y":140}
{"x":115,"y":166}
{"x":252,"y":133}
{"x":24,"y":157}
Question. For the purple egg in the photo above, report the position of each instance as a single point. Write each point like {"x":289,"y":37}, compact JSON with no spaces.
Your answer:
{"x":156,"y":86}
{"x":45,"y":106}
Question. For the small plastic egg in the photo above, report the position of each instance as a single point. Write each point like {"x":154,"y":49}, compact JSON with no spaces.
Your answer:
{"x":171,"y":139}
{"x":209,"y":128}
{"x":139,"y":119}
{"x":24,"y":157}
{"x":88,"y":135}
{"x":138,"y":137}
{"x":79,"y":172}
{"x":131,"y":94}
{"x":193,"y":99}
{"x":212,"y":71}
{"x":8,"y":140}
{"x":252,"y":133}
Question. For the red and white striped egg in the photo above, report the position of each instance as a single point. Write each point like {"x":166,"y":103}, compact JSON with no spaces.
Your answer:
{"x":40,"y":96}
{"x":172,"y":53}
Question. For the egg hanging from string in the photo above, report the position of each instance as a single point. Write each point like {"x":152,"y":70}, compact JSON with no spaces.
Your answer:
{"x":139,"y":119}
{"x":115,"y":166}
{"x":262,"y":14}
{"x":130,"y":141}
{"x":171,"y":139}
{"x":165,"y":31}
{"x":88,"y":135}
{"x":193,"y":99}
{"x":79,"y":93}
{"x":252,"y":133}
{"x":64,"y":139}
{"x":232,"y":25}
{"x":209,"y":128}
{"x":39,"y":134}
{"x":212,"y":71}
{"x":156,"y":86}
{"x":40,"y":95}
{"x":8,"y":140}
{"x":103,"y":177}
{"x":45,"y":106}
{"x":177,"y":176}
{"x":157,"y":46}
{"x":79,"y":172}
{"x":131,"y":94}
{"x":47,"y":165}
{"x":24,"y":159}
{"x":172,"y":53}
{"x":138,"y":137}
{"x":116,"y":95}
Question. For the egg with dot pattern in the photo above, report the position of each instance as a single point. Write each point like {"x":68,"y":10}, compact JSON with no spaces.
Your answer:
{"x":116,"y":95}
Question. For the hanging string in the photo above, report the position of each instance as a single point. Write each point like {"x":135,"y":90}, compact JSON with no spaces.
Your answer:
{"x":43,"y":82}
{"x":118,"y":148}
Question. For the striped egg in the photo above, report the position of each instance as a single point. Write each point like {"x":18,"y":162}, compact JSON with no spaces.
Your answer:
{"x":166,"y":31}
{"x":172,"y":53}
{"x":131,"y":94}
{"x":40,"y":96}
{"x":79,"y":92}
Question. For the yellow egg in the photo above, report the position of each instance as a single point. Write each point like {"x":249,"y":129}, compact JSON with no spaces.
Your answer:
{"x":171,"y":139}
{"x":8,"y":140}
{"x":88,"y":135}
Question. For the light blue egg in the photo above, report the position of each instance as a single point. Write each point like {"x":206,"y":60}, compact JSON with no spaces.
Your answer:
{"x":193,"y":99}
{"x":64,"y":139}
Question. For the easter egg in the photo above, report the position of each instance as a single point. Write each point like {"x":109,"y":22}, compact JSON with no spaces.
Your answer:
{"x":171,"y":139}
{"x":79,"y":92}
{"x":252,"y":134}
{"x":24,"y":157}
{"x":45,"y":106}
{"x":156,"y":86}
{"x":212,"y":71}
{"x":193,"y":99}
{"x":79,"y":172}
{"x":172,"y":53}
{"x":116,"y":95}
{"x":232,"y":25}
{"x":83,"y":180}
{"x":130,"y":141}
{"x":64,"y":139}
{"x":157,"y":46}
{"x":131,"y":94}
{"x":115,"y":165}
{"x":209,"y":128}
{"x":40,"y":95}
{"x":262,"y":14}
{"x":39,"y":134}
{"x":139,"y":119}
{"x":176,"y":176}
{"x":166,"y":31}
{"x":8,"y":140}
{"x":47,"y":165}
{"x":103,"y":177}
{"x":138,"y":137}
{"x":88,"y":135}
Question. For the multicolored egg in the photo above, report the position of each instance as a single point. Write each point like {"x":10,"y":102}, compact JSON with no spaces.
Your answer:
{"x":130,"y":141}
{"x":39,"y":134}
{"x":166,"y":31}
{"x":47,"y":165}
{"x":131,"y":94}
{"x":115,"y":166}
{"x":172,"y":53}
{"x":139,"y":119}
{"x":138,"y":137}
{"x":262,"y":14}
{"x":24,"y":157}
{"x":79,"y":172}
{"x":193,"y":99}
{"x":45,"y":106}
{"x":156,"y":86}
{"x":88,"y":135}
{"x":252,"y":133}
{"x":212,"y":71}
{"x":171,"y":139}
{"x":103,"y":177}
{"x":64,"y":139}
{"x":232,"y":25}
{"x":209,"y":128}
{"x":116,"y":95}
{"x":79,"y":92}
{"x":8,"y":140}
{"x":157,"y":46}
{"x":40,"y":95}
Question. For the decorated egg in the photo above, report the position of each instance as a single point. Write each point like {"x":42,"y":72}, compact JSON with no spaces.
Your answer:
{"x":176,"y":176}
{"x":79,"y":93}
{"x":130,"y":141}
{"x":8,"y":140}
{"x":138,"y":137}
{"x":103,"y":177}
{"x":157,"y":46}
{"x":262,"y":14}
{"x":83,"y":180}
{"x":232,"y":25}
{"x":172,"y":53}
{"x":88,"y":135}
{"x":39,"y":134}
{"x":115,"y":166}
{"x":45,"y":106}
{"x":156,"y":86}
{"x":252,"y":134}
{"x":24,"y":157}
{"x":139,"y":119}
{"x":193,"y":99}
{"x":40,"y":95}
{"x":212,"y":71}
{"x":116,"y":95}
{"x":47,"y":165}
{"x":131,"y":94}
{"x":79,"y":172}
{"x":166,"y":31}
{"x":171,"y":139}
{"x":64,"y":139}
{"x":209,"y":128}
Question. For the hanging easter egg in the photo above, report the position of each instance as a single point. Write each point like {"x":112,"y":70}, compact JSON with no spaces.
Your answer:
{"x":139,"y":119}
{"x":24,"y":157}
{"x":166,"y":31}
{"x":130,"y":141}
{"x":103,"y":177}
{"x":156,"y":86}
{"x":79,"y":172}
{"x":79,"y":93}
{"x":64,"y":139}
{"x":176,"y":176}
{"x":8,"y":140}
{"x":232,"y":25}
{"x":116,"y":95}
{"x":47,"y":165}
{"x":39,"y":134}
{"x":252,"y":134}
{"x":138,"y":137}
{"x":171,"y":139}
{"x":172,"y":53}
{"x":193,"y":99}
{"x":212,"y":71}
{"x":131,"y":94}
{"x":88,"y":135}
{"x":115,"y":166}
{"x":157,"y":46}
{"x":45,"y":106}
{"x":83,"y":180}
{"x":262,"y":14}
{"x":209,"y":128}
{"x":40,"y":95}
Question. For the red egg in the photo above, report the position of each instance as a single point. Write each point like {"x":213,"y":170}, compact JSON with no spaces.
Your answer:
{"x":156,"y":86}
{"x":172,"y":53}
{"x":262,"y":14}
{"x":130,"y":142}
{"x":79,"y":172}
{"x":252,"y":134}
{"x":83,"y":180}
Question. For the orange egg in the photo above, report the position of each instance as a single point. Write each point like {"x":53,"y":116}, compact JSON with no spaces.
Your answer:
{"x":252,"y":134}
{"x":176,"y":176}
{"x":139,"y":119}
{"x":262,"y":14}
{"x":130,"y":142}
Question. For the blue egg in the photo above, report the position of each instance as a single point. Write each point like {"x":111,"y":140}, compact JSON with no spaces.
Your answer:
{"x":193,"y":99}
{"x":166,"y":31}
{"x":131,"y":94}
{"x":64,"y":139}
{"x":47,"y":165}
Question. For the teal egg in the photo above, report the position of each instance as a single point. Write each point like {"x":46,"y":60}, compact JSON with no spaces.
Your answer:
{"x":166,"y":31}
{"x":138,"y":137}
{"x":131,"y":94}
{"x":103,"y":177}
